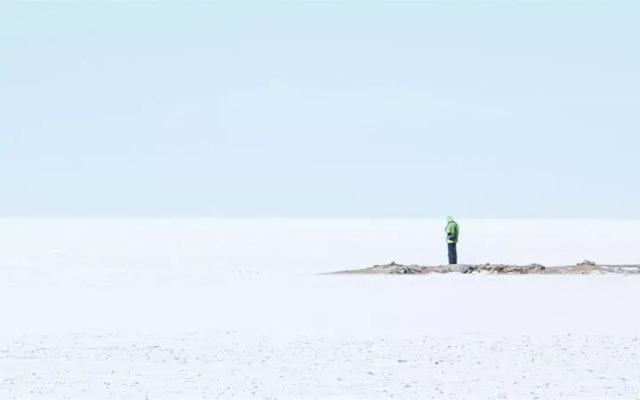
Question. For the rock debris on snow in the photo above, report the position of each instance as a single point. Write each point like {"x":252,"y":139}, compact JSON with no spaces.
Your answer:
{"x":585,"y":267}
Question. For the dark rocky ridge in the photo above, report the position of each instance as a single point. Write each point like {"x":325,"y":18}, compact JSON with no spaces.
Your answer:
{"x":583,"y":268}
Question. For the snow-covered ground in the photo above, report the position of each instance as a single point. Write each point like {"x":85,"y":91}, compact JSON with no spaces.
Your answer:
{"x":195,"y":308}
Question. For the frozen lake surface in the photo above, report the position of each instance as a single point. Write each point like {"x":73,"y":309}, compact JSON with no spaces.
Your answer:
{"x":189,"y":308}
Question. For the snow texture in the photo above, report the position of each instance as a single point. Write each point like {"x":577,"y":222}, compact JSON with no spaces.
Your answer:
{"x":206,"y":309}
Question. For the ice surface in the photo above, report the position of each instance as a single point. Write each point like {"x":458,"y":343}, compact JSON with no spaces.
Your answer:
{"x":183,"y":308}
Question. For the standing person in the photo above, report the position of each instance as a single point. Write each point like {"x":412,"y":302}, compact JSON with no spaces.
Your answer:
{"x":452,"y":231}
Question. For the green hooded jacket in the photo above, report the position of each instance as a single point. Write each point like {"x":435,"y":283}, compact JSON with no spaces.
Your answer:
{"x":452,"y":230}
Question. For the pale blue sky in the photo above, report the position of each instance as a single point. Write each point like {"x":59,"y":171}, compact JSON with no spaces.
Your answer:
{"x":476,"y":109}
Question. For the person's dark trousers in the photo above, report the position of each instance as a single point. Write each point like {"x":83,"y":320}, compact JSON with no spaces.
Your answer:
{"x":453,"y":253}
